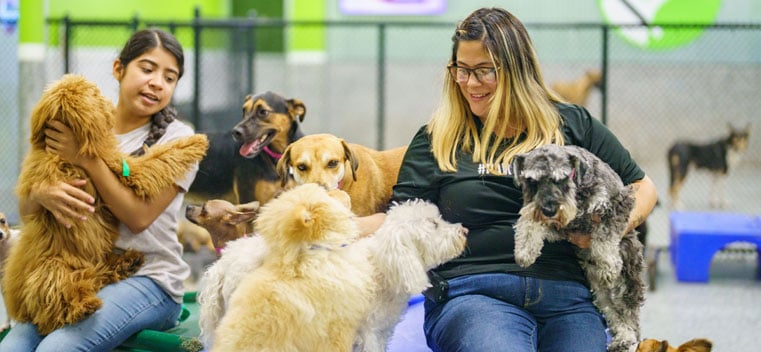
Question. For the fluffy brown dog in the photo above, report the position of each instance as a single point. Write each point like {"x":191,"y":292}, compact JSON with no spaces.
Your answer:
{"x":6,"y":241}
{"x":223,"y":220}
{"x":53,"y":273}
{"x":695,"y":345}
{"x":577,"y":91}
{"x":367,"y":175}
{"x":313,"y":288}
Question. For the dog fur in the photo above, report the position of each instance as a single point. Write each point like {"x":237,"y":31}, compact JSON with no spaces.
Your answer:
{"x":52,"y":274}
{"x":313,"y":289}
{"x":235,"y":169}
{"x":223,"y":220}
{"x":717,"y":157}
{"x":694,"y":345}
{"x":220,"y":280}
{"x":577,"y":91}
{"x":411,"y":241}
{"x":7,"y":239}
{"x":569,"y":189}
{"x":366,"y":174}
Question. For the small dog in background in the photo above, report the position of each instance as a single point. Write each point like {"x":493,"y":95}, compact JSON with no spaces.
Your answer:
{"x":569,"y":189}
{"x":717,"y":157}
{"x":223,"y":220}
{"x":7,"y":238}
{"x":577,"y":91}
{"x":694,"y":345}
{"x":367,"y":175}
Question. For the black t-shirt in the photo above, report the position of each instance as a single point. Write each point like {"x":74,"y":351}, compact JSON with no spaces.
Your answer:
{"x":487,"y":205}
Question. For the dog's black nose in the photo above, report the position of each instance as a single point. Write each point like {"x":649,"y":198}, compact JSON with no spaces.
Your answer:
{"x":237,"y":134}
{"x":549,"y":210}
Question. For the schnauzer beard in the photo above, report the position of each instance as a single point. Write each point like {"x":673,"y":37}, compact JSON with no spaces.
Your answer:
{"x":566,"y":211}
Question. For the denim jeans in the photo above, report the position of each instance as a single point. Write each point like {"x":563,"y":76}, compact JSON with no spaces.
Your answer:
{"x":499,"y":312}
{"x":129,"y":306}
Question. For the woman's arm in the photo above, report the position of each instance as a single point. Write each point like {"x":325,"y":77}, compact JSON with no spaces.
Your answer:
{"x":134,"y":212}
{"x":645,"y":196}
{"x":370,"y":223}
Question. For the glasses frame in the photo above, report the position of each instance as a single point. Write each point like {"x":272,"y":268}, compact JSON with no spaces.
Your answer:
{"x":452,"y":68}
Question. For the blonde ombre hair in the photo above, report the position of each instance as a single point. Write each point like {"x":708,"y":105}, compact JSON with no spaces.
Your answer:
{"x":521,"y":102}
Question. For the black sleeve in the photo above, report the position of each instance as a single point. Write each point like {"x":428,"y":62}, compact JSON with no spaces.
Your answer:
{"x":581,"y":129}
{"x":417,"y":175}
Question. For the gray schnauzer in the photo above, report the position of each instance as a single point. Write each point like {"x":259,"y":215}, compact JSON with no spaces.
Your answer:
{"x":568,"y":189}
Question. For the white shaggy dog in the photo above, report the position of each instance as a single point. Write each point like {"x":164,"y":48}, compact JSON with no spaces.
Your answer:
{"x":218,"y":282}
{"x":412,"y":240}
{"x":313,"y":289}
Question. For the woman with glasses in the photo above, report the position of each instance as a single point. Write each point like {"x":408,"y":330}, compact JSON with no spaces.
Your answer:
{"x":495,"y":105}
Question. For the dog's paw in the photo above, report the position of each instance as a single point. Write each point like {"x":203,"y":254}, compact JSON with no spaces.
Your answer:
{"x":622,"y":346}
{"x":525,"y":258}
{"x":126,"y":264}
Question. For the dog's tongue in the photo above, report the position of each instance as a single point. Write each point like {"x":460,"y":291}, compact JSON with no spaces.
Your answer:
{"x":248,"y":148}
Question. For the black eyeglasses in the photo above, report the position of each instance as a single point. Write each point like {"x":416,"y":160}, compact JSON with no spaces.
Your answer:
{"x":483,"y":74}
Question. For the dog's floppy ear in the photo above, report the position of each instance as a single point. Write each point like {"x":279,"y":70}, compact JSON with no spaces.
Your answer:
{"x":248,"y":103}
{"x":283,"y":165}
{"x":296,"y":109}
{"x":695,"y":345}
{"x":516,"y":167}
{"x":244,"y":213}
{"x":352,"y":160}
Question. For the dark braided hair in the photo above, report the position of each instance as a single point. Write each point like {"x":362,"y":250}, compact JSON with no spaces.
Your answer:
{"x":139,"y":43}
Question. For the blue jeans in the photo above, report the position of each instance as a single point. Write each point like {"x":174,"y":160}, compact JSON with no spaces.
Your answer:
{"x":129,"y":306}
{"x":510,"y":313}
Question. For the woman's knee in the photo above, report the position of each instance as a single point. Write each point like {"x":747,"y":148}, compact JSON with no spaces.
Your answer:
{"x":479,"y":323}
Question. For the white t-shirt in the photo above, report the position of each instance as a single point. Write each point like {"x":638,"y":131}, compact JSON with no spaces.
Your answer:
{"x":163,"y":252}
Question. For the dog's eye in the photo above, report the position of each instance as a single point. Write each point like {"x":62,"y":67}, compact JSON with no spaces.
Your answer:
{"x":262,"y":112}
{"x":332,"y":164}
{"x":301,"y":167}
{"x":2,"y":221}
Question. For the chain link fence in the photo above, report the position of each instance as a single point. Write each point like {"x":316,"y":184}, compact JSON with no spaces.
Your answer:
{"x":377,"y":83}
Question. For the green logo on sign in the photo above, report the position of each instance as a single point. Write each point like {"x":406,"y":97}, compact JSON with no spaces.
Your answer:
{"x":655,"y":12}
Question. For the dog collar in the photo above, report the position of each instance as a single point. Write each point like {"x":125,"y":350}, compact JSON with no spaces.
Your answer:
{"x":274,"y":155}
{"x":330,"y":248}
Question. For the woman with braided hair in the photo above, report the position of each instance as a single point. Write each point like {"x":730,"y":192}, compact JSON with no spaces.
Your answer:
{"x":147,"y":69}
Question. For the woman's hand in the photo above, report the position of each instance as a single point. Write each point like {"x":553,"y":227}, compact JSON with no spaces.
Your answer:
{"x":66,"y":201}
{"x":60,"y":140}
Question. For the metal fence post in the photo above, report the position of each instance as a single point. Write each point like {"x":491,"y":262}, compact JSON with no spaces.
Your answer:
{"x":197,"y":69}
{"x":381,"y":86}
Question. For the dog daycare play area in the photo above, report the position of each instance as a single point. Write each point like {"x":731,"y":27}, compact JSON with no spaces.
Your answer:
{"x":677,"y":82}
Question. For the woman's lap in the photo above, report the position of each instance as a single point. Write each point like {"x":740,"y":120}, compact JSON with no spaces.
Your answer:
{"x":513,"y":313}
{"x":129,"y":306}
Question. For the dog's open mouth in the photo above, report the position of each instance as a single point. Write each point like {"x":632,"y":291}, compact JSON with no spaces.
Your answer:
{"x":252,"y":149}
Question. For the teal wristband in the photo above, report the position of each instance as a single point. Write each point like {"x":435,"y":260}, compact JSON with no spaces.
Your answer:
{"x":125,"y":168}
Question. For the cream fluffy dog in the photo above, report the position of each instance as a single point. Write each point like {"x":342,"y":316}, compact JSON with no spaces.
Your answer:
{"x":53,"y":273}
{"x":413,"y":239}
{"x":368,"y":175}
{"x":312,"y":290}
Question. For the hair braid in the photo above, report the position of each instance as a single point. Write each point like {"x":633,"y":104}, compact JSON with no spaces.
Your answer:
{"x":159,"y":123}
